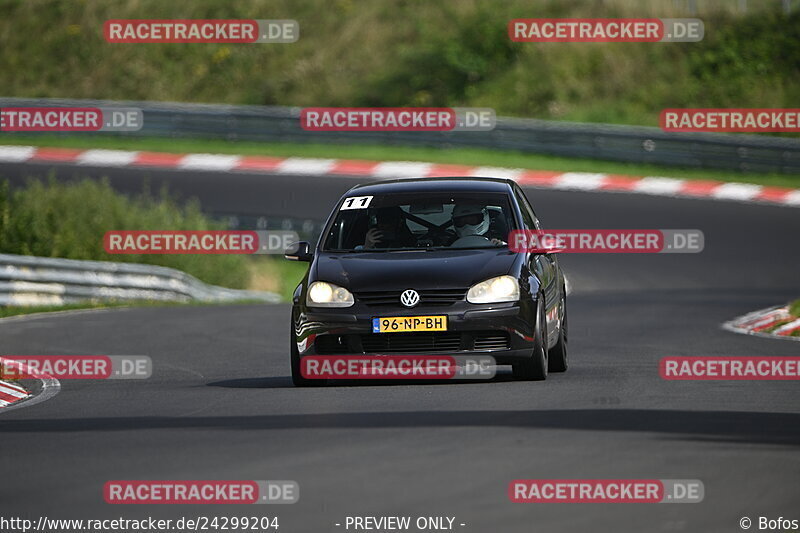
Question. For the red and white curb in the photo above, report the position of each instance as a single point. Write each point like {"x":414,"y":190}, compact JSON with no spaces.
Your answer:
{"x":10,"y":394}
{"x":757,"y":322}
{"x":579,"y":181}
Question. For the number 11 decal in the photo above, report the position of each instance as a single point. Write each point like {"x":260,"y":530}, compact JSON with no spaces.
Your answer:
{"x":356,"y":202}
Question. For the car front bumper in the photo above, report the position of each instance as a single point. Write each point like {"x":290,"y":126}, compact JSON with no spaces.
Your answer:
{"x":503,"y":331}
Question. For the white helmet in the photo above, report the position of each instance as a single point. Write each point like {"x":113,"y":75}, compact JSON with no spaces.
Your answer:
{"x":479,"y":223}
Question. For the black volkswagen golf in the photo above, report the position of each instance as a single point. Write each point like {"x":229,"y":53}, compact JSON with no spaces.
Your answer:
{"x":433,"y":249}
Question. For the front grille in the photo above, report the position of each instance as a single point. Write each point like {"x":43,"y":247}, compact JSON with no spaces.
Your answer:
{"x":426,"y":297}
{"x":398,"y":343}
{"x":408,"y":343}
{"x":492,"y":340}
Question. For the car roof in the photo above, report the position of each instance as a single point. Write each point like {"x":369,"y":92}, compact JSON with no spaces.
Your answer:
{"x":430,"y":185}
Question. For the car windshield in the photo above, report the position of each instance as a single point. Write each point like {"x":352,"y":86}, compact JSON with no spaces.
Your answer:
{"x":414,"y":221}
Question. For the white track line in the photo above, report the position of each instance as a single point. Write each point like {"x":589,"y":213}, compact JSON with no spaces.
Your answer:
{"x":209,"y":162}
{"x":736,"y":191}
{"x":659,"y":185}
{"x":107,"y":158}
{"x":499,"y":172}
{"x":583,"y":181}
{"x":401,"y":169}
{"x":305,"y":165}
{"x":16,"y":154}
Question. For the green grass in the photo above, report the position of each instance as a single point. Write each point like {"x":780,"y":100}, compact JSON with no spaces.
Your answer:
{"x":410,"y":52}
{"x":276,"y":274}
{"x":289,"y":273}
{"x":460,"y":156}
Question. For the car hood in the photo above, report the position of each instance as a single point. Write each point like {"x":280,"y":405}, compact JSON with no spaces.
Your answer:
{"x":439,"y":269}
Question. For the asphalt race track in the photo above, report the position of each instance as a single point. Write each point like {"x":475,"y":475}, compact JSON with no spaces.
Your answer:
{"x":220,"y":404}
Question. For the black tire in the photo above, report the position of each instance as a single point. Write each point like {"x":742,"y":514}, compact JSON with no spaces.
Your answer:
{"x":557,"y":360}
{"x":535,"y":368}
{"x":297,"y":376}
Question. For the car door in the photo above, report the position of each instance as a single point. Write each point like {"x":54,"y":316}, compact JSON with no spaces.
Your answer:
{"x":545,"y":266}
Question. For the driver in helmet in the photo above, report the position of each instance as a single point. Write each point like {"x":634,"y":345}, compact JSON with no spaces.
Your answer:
{"x":388,"y":229}
{"x":472,"y":221}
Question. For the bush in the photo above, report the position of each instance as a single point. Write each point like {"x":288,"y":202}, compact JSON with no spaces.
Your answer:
{"x":69,"y":220}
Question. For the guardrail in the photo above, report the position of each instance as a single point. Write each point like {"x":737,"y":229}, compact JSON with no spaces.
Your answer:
{"x":28,"y":280}
{"x":633,"y":144}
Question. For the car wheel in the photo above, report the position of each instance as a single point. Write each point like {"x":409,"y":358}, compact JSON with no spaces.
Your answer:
{"x":535,"y":368}
{"x":297,"y":375}
{"x":557,"y":356}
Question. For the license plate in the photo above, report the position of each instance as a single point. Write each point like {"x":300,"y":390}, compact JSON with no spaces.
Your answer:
{"x":402,"y":324}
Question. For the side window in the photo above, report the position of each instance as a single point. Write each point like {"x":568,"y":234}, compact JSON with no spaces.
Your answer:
{"x":528,"y":218}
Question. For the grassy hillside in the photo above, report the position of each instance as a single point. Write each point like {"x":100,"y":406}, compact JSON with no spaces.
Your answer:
{"x":409,"y":52}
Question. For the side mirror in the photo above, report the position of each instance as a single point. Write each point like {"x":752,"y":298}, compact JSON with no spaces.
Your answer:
{"x":299,"y":251}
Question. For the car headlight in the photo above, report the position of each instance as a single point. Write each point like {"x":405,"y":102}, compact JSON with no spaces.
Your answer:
{"x":494,"y":290}
{"x":324,"y":294}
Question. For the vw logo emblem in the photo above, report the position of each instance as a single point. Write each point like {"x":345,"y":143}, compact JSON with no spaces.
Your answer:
{"x":409,"y":298}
